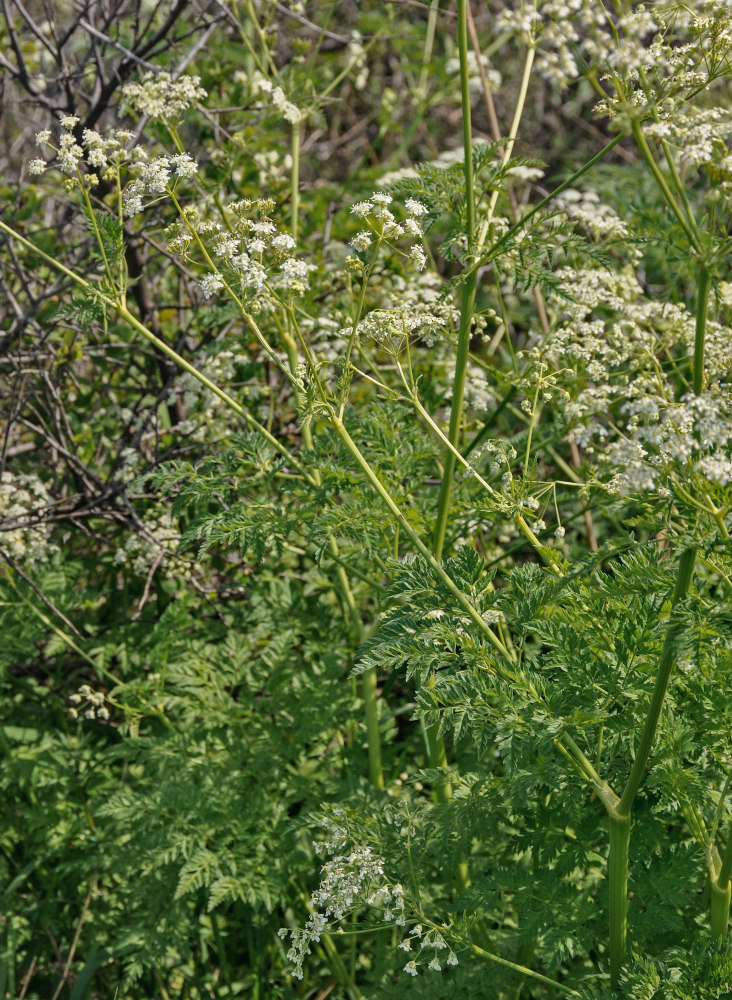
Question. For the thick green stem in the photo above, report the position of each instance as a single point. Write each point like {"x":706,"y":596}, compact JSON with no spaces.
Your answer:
{"x":720,"y":909}
{"x":618,"y":882}
{"x":668,"y":656}
{"x":619,"y":817}
{"x":721,"y":891}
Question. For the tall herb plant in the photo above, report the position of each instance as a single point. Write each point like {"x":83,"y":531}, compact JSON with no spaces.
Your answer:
{"x":493,"y":352}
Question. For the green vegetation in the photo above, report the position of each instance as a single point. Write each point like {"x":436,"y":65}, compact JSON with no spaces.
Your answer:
{"x":365,"y":497}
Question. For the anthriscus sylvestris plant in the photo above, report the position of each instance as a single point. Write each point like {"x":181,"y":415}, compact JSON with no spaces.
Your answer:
{"x":439,"y":682}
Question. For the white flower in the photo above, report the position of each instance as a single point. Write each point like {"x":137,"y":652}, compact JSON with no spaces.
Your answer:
{"x":411,"y":968}
{"x":283,"y":242}
{"x":211,"y":283}
{"x":185,"y":165}
{"x":69,"y":121}
{"x":417,"y":256}
{"x":435,"y":965}
{"x":226,"y":246}
{"x":287,"y":109}
{"x":361,"y":208}
{"x":163,"y":98}
{"x":415,"y":207}
{"x":36,"y":167}
{"x":452,"y":958}
{"x":361,"y":241}
{"x":559,"y":532}
{"x":43,"y":137}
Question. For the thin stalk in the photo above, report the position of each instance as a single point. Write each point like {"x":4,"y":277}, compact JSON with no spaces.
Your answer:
{"x":518,"y":113}
{"x":429,"y":41}
{"x":295,"y":180}
{"x":702,"y":289}
{"x":517,"y":226}
{"x":663,"y":185}
{"x":408,"y":529}
{"x":368,"y":679}
{"x":468,"y":292}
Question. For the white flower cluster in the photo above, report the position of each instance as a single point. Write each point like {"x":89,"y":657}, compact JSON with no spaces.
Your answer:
{"x":673,"y":45}
{"x":432,"y":942}
{"x":595,"y":216}
{"x":383,"y":224}
{"x":693,"y":435}
{"x":357,"y":60}
{"x":257,"y":255}
{"x":104,"y":156}
{"x":159,"y":537}
{"x":392,"y":327}
{"x":25,"y":537}
{"x":623,"y":411}
{"x":89,"y":703}
{"x":160,"y":97}
{"x":153,"y":176}
{"x":290,"y":112}
{"x":347,"y":879}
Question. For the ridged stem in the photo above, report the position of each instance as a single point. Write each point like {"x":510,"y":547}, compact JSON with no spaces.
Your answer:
{"x":617,"y":874}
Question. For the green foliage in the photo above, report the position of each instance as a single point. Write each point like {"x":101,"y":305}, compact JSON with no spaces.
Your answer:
{"x":251,"y":727}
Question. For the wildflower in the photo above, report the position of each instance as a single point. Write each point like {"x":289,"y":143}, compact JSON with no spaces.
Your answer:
{"x":417,"y":256}
{"x":43,"y":137}
{"x":452,"y":958}
{"x":415,"y":207}
{"x":361,"y":208}
{"x":559,"y":532}
{"x":211,"y":283}
{"x":411,"y":968}
{"x":36,"y":167}
{"x":161,"y":97}
{"x":184,"y":165}
{"x":226,"y":246}
{"x":361,"y":241}
{"x":287,"y":109}
{"x":283,"y":242}
{"x":69,"y":121}
{"x":435,"y":965}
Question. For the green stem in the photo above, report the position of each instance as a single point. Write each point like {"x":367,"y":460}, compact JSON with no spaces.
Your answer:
{"x":720,"y":909}
{"x":408,"y":529}
{"x":468,"y":293}
{"x":702,"y":302}
{"x":429,"y":41}
{"x":721,"y":891}
{"x":295,"y":180}
{"x":369,"y":679}
{"x":618,"y":883}
{"x":668,"y":656}
{"x":647,"y":155}
{"x":619,"y":817}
